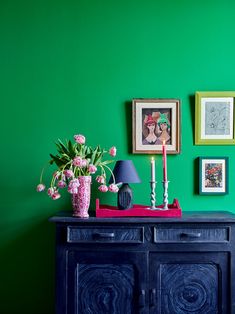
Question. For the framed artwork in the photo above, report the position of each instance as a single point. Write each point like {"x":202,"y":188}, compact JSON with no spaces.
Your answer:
{"x":155,"y":121}
{"x":213,"y":175}
{"x":214,"y":118}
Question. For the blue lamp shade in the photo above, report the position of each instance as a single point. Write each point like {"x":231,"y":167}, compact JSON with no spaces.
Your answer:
{"x":124,"y":172}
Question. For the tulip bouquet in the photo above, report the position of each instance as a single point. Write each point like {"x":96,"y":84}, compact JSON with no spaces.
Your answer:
{"x":74,"y":160}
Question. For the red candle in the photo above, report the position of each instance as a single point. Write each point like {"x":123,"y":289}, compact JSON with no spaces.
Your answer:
{"x":164,"y":161}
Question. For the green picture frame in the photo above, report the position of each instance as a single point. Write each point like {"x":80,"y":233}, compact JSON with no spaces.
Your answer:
{"x":213,"y":175}
{"x":214,"y":118}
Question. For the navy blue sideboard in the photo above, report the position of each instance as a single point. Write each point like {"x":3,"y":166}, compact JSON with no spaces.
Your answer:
{"x":145,"y":265}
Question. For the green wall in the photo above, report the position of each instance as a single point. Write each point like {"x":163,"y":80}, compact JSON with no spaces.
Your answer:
{"x":70,"y":67}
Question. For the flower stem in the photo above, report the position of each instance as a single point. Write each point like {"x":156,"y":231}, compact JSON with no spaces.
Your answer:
{"x":110,"y":172}
{"x":42,"y":172}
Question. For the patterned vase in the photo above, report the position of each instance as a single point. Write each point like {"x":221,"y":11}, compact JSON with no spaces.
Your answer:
{"x":81,"y":200}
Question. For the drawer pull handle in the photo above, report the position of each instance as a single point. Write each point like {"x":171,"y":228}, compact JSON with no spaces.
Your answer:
{"x":194,"y":235}
{"x":142,"y":298}
{"x":103,"y":235}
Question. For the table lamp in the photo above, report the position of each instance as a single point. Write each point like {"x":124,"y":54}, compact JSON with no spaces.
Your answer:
{"x":124,"y":172}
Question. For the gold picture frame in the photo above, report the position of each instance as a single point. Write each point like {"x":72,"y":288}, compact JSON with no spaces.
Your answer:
{"x":153,"y":121}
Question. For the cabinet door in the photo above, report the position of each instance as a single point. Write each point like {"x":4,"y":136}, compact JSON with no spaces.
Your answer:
{"x":189,"y":283}
{"x":106,"y":282}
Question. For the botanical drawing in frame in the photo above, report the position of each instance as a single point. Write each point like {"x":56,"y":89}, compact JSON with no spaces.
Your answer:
{"x":214,"y":118}
{"x":153,"y":122}
{"x":213,"y":175}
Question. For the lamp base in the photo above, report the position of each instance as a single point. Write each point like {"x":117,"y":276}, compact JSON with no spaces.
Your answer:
{"x":125,"y":197}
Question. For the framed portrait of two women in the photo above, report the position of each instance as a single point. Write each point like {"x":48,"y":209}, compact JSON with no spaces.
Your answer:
{"x":155,"y":122}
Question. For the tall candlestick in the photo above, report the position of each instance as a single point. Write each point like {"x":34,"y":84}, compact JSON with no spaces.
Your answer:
{"x":164,"y":161}
{"x":152,"y":169}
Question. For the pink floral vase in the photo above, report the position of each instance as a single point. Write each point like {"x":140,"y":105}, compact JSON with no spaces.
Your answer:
{"x":81,"y":200}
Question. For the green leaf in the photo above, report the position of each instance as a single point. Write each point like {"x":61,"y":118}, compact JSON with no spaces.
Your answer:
{"x":63,"y":147}
{"x":75,"y":148}
{"x":71,"y":149}
{"x":98,"y":158}
{"x":57,"y":160}
{"x":107,"y":162}
{"x":51,"y":161}
{"x":89,"y":150}
{"x":59,"y":149}
{"x":93,"y":156}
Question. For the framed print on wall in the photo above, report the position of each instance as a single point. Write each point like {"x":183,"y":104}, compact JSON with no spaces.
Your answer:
{"x":214,"y":118}
{"x":213,"y":175}
{"x":155,"y":121}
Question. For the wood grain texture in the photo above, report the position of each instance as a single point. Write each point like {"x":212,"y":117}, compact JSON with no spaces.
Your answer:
{"x":114,"y":265}
{"x":104,"y":289}
{"x":189,"y":288}
{"x":111,"y":234}
{"x":191,"y":234}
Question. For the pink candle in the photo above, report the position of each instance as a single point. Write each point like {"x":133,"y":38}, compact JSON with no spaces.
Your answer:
{"x":164,"y":162}
{"x":152,"y":169}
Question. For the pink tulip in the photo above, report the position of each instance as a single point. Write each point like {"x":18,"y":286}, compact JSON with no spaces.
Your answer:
{"x":103,"y":188}
{"x":84,"y":163}
{"x":51,"y":191}
{"x":80,"y":139}
{"x":100,"y":179}
{"x":61,"y":184}
{"x":113,"y":188}
{"x":113,"y":151}
{"x":56,"y":174}
{"x":73,"y":190}
{"x":92,"y":169}
{"x":73,"y":186}
{"x":77,"y":161}
{"x":40,"y":187}
{"x":68,"y":173}
{"x":55,"y":196}
{"x":74,"y":183}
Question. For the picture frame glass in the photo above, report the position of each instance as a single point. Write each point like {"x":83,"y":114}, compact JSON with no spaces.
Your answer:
{"x":214,"y":118}
{"x":155,"y":121}
{"x":217,"y":118}
{"x":213,"y":176}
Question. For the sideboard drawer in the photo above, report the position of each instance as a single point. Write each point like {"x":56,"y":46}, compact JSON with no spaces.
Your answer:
{"x":94,"y":234}
{"x":191,"y":234}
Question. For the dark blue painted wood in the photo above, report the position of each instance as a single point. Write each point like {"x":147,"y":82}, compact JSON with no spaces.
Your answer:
{"x":188,"y":216}
{"x":82,"y":234}
{"x":146,"y":265}
{"x":190,"y":282}
{"x":100,"y":285}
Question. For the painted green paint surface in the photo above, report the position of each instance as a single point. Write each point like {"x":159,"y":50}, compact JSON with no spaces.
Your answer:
{"x":70,"y":67}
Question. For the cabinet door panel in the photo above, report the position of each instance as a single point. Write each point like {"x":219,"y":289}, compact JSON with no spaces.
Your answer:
{"x":106,"y":282}
{"x":189,"y":283}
